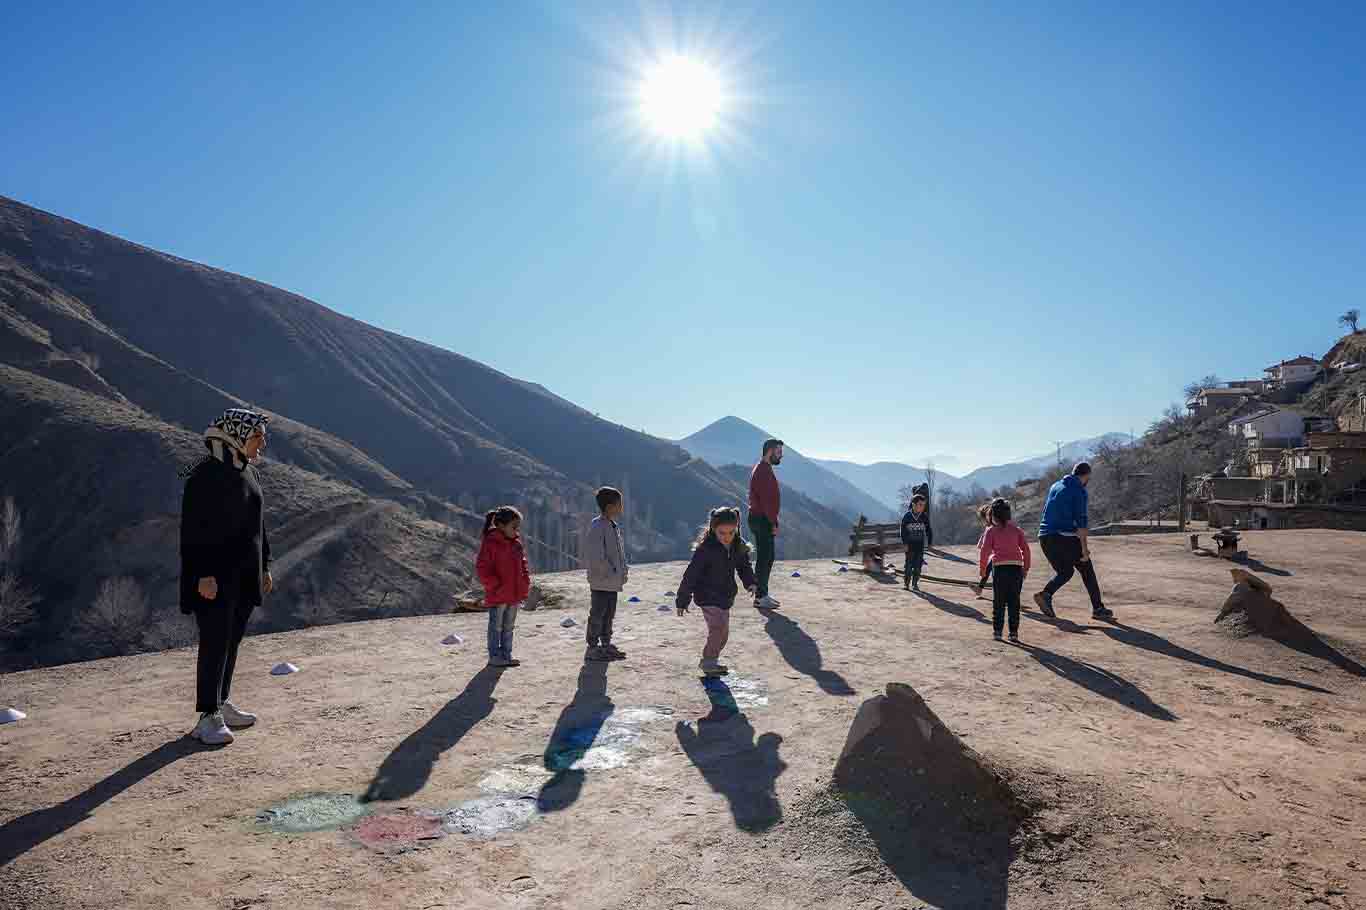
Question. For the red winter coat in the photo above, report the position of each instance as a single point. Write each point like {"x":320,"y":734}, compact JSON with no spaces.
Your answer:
{"x":502,"y":569}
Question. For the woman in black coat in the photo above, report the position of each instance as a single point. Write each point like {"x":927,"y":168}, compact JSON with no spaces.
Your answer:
{"x":224,"y":562}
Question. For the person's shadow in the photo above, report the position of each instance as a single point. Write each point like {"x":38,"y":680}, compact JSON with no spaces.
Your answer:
{"x":802,"y":653}
{"x":574,"y":734}
{"x":406,"y":770}
{"x":953,"y":608}
{"x":1147,"y":641}
{"x":22,"y":834}
{"x":1099,"y":680}
{"x":742,"y":769}
{"x":950,"y":557}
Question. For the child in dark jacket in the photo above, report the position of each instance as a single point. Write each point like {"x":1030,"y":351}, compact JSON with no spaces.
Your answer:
{"x":1005,"y":548}
{"x":719,"y":556}
{"x":503,"y":572}
{"x":916,"y":535}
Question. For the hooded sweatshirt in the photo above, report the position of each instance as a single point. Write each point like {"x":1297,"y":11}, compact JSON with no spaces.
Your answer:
{"x":502,"y":569}
{"x":1065,"y":509}
{"x":605,"y":554}
{"x":916,"y":531}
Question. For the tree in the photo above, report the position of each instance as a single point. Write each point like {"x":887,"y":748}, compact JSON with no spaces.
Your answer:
{"x":1208,"y":381}
{"x":1350,"y":319}
{"x":117,"y":618}
{"x":16,"y":598}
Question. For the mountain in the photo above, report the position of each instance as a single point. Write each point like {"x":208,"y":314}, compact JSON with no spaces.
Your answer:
{"x":731,"y":440}
{"x":993,"y":476}
{"x":384,"y":444}
{"x":883,"y":480}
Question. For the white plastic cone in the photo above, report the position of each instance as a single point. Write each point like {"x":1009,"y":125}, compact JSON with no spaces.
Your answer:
{"x":283,"y":669}
{"x":11,"y":715}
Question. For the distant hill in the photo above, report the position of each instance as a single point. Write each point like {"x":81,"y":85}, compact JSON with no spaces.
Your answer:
{"x":408,"y":440}
{"x":884,"y":479}
{"x":993,"y":476}
{"x":731,"y":440}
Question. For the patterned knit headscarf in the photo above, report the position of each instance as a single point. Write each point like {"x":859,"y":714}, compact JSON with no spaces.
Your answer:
{"x":227,"y":436}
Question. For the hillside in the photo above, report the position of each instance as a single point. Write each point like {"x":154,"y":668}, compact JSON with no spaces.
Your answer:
{"x":806,"y":524}
{"x":403,"y":431}
{"x":1162,"y":762}
{"x":993,"y":476}
{"x":883,"y":480}
{"x":731,"y":440}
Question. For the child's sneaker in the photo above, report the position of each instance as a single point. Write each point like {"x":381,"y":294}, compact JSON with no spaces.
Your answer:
{"x":1045,"y":607}
{"x":1104,"y":614}
{"x":613,"y":652}
{"x":598,"y":654}
{"x":996,"y":635}
{"x":235,"y":717}
{"x":500,"y":662}
{"x":915,"y":586}
{"x":710,"y":666}
{"x":1015,"y":637}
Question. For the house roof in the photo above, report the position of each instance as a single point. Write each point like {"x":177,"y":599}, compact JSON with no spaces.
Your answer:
{"x":1300,"y":361}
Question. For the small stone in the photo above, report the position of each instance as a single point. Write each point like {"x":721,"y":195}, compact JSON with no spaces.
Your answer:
{"x":568,"y":622}
{"x":664,"y":608}
{"x":283,"y":669}
{"x":452,"y":639}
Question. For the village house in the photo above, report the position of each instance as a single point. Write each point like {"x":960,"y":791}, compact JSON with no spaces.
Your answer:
{"x":1353,"y":420}
{"x":1296,"y":372}
{"x":1329,"y":468}
{"x":1208,"y":401}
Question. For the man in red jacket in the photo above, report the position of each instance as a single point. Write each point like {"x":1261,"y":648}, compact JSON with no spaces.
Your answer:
{"x":764,"y":501}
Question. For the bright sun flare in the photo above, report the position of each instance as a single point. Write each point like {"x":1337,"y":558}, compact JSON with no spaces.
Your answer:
{"x":681,"y":98}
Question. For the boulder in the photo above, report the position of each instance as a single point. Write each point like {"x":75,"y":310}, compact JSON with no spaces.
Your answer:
{"x":1250,"y":609}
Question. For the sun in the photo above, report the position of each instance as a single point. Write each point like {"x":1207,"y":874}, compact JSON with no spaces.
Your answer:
{"x":681,"y":98}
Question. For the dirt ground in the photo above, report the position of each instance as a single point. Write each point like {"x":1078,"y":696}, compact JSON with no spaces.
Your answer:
{"x":1165,"y":763}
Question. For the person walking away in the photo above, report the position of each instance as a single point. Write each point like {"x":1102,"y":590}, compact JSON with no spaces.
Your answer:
{"x":224,"y":562}
{"x":916,"y":535}
{"x":605,"y":555}
{"x":718,"y":557}
{"x":1063,"y":539}
{"x":764,"y":502}
{"x":1005,"y":551}
{"x":502,"y":570}
{"x":984,"y":516}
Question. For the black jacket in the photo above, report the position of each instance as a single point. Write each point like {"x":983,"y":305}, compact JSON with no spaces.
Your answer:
{"x":710,"y":578}
{"x":222,"y":535}
{"x":916,"y":531}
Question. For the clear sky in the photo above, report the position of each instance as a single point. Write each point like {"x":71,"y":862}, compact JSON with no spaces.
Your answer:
{"x":912,"y":229}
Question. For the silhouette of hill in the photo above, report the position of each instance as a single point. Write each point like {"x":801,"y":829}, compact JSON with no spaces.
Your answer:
{"x":731,"y":440}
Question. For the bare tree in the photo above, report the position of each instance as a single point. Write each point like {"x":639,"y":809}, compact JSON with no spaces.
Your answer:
{"x":1208,"y":381}
{"x":1350,"y":319}
{"x":16,"y":598}
{"x":118,"y":617}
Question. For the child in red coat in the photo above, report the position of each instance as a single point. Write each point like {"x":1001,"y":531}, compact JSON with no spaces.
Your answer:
{"x":506,"y":579}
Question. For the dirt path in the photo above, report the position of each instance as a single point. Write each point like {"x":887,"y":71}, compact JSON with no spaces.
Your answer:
{"x":1167,"y":764}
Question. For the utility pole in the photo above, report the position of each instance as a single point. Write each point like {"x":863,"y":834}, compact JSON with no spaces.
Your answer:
{"x":1181,"y":505}
{"x":1058,"y":445}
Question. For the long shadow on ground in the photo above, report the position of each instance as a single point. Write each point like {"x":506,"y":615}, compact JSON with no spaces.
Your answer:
{"x":22,"y":834}
{"x":406,"y":770}
{"x":1148,"y":641}
{"x":1316,"y":646}
{"x":802,"y":653}
{"x":953,"y":608}
{"x":742,"y":769}
{"x":950,"y":557}
{"x":575,"y":733}
{"x":1098,"y":680}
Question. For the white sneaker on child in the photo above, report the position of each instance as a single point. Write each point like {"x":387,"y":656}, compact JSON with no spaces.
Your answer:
{"x":235,"y":717}
{"x":211,"y":731}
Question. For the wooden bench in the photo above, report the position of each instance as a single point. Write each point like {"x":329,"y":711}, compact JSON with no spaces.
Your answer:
{"x":868,"y":539}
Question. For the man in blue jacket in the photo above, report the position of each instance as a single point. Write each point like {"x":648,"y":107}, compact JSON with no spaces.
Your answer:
{"x":1062,"y":537}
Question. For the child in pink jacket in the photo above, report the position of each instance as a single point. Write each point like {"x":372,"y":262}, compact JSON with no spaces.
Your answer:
{"x":1006,"y":551}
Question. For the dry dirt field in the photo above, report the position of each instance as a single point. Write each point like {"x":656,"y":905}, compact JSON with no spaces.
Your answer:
{"x":1157,"y":762}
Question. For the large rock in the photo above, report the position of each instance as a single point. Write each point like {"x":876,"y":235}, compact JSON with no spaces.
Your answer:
{"x":1250,"y":609}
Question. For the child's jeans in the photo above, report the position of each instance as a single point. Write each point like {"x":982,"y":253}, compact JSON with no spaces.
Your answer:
{"x":1005,"y":595}
{"x":718,"y":631}
{"x":601,"y":612}
{"x":915,"y":561}
{"x":502,"y":619}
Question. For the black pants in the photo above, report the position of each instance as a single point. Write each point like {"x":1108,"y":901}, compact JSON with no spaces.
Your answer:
{"x":600,"y":616}
{"x":762,"y":529}
{"x":1005,"y":596}
{"x":1064,"y":555}
{"x":915,"y":561}
{"x":222,"y":624}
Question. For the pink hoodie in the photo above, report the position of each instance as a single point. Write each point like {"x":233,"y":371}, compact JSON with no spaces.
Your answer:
{"x":1003,"y":545}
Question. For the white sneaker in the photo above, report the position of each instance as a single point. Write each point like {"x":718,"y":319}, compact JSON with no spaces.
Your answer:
{"x":211,"y":731}
{"x":235,"y":717}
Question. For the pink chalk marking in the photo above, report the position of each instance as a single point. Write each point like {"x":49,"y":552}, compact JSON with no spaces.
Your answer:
{"x":384,"y":831}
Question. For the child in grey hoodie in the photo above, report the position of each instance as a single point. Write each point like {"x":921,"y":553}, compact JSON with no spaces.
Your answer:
{"x":604,"y":553}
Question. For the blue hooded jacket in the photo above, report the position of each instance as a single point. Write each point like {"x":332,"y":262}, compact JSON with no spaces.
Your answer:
{"x":1065,"y":509}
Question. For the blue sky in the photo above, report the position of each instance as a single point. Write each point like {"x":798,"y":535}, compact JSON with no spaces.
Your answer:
{"x":1021,"y":225}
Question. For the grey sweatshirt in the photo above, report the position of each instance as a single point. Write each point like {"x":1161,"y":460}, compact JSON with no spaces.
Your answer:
{"x":604,"y":554}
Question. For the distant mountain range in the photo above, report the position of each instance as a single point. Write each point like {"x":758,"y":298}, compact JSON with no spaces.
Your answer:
{"x":731,"y":440}
{"x":853,"y":489}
